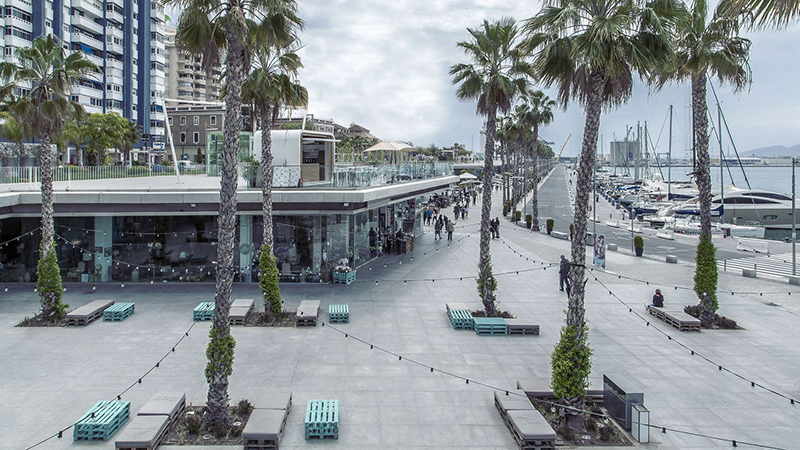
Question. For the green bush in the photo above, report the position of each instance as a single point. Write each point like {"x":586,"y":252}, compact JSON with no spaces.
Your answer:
{"x":528,"y":219}
{"x":518,"y":215}
{"x":268,"y":279}
{"x":550,"y":224}
{"x":49,"y":287}
{"x":571,"y":363}
{"x":219,"y":352}
{"x":705,"y":279}
{"x":638,"y":242}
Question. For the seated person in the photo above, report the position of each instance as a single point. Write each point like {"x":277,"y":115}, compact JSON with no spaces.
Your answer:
{"x":658,"y":300}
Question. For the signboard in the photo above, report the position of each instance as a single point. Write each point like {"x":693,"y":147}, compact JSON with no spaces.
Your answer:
{"x":158,"y":146}
{"x":600,"y":251}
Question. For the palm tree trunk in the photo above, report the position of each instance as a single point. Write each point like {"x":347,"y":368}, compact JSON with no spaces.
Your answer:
{"x":486,"y":281}
{"x":49,"y":299}
{"x":703,"y":170}
{"x":219,"y":368}
{"x":266,"y":176}
{"x":503,"y":180}
{"x":535,"y":187}
{"x":575,"y":308}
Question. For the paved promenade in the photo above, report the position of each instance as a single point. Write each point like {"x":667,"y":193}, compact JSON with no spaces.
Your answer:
{"x":51,"y":376}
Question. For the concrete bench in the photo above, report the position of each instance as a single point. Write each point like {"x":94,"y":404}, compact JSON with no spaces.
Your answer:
{"x":505,"y":403}
{"x":794,"y":280}
{"x":143,"y":433}
{"x":672,"y":259}
{"x":612,"y":224}
{"x":522,"y":326}
{"x":204,"y":311}
{"x":118,"y":312}
{"x":169,"y":404}
{"x":455,"y":305}
{"x":307,"y":313}
{"x":264,"y":429}
{"x":559,"y":235}
{"x":531,"y":430}
{"x":749,"y":273}
{"x":612,"y":247}
{"x":87,"y":314}
{"x":240,"y":309}
{"x":338,"y":313}
{"x":668,"y":235}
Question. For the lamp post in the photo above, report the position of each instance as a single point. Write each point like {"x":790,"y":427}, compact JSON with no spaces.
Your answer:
{"x":794,"y":224}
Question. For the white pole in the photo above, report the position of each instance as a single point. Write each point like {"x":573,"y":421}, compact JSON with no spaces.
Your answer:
{"x":171,"y":143}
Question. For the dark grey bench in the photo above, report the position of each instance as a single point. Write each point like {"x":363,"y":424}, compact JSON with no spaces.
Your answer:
{"x":87,"y":314}
{"x":307,"y":313}
{"x":150,"y":425}
{"x":531,"y":430}
{"x":515,"y":401}
{"x":240,"y":309}
{"x":522,"y":326}
{"x":143,"y":433}
{"x":264,"y":429}
{"x":274,"y":400}
{"x":455,"y":305}
{"x":676,"y":318}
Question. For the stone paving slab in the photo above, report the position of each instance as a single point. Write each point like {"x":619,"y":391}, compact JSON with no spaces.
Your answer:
{"x":393,"y":404}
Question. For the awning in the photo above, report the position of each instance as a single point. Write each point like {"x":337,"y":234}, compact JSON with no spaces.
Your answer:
{"x":86,"y":48}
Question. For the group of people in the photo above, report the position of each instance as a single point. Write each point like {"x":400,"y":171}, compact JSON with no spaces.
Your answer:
{"x":462,"y":209}
{"x":443,"y":223}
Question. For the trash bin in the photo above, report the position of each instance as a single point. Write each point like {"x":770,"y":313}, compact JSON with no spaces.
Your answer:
{"x":619,"y":396}
{"x":641,"y":423}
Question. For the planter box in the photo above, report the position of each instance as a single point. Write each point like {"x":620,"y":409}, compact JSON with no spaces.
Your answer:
{"x":344,"y":277}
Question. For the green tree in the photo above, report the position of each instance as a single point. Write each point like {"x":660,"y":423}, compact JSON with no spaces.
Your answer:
{"x":763,"y":13}
{"x":50,"y":72}
{"x":706,"y":47}
{"x":16,"y":135}
{"x":103,"y":131}
{"x":268,"y":279}
{"x":536,"y":110}
{"x":496,"y":74}
{"x":591,"y":49}
{"x":212,"y":28}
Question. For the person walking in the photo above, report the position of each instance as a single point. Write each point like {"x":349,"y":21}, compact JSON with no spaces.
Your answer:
{"x":493,"y":229}
{"x":497,"y":227}
{"x":437,"y":228}
{"x":563,"y":272}
{"x":450,"y":228}
{"x":456,"y":210}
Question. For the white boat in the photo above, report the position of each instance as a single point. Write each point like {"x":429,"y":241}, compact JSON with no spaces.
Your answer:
{"x":751,"y":206}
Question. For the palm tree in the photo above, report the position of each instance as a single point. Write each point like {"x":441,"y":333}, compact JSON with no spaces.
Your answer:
{"x":536,"y":110}
{"x":50,"y":72}
{"x":590,"y":49}
{"x":267,"y":88}
{"x":497,"y":74}
{"x":763,"y":13}
{"x":707,"y":47}
{"x":209,"y":27}
{"x":16,"y":134}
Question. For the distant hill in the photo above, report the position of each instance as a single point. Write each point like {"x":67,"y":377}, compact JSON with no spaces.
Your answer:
{"x":775,"y":150}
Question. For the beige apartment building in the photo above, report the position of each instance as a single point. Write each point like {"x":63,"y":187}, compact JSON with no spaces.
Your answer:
{"x":186,"y":79}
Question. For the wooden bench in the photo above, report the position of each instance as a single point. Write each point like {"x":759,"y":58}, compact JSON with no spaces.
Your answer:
{"x":490,"y":326}
{"x":149,"y":427}
{"x":118,"y":312}
{"x":338,"y":313}
{"x":531,"y":430}
{"x":240,"y":309}
{"x":307,"y":313}
{"x":522,"y":326}
{"x":268,"y":420}
{"x":515,"y":401}
{"x":461,"y":319}
{"x":678,"y":319}
{"x":203,"y":311}
{"x":87,"y":314}
{"x":102,"y":421}
{"x":322,"y":419}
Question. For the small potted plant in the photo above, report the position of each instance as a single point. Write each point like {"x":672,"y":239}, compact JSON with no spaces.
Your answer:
{"x":506,"y":208}
{"x":343,"y":273}
{"x":528,"y":220}
{"x":517,"y":216}
{"x":550,"y":224}
{"x":638,"y":245}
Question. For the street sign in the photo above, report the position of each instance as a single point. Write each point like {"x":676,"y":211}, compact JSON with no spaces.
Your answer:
{"x":158,"y":146}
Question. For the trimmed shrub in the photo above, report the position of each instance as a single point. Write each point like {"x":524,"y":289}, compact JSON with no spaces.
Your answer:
{"x":528,"y":219}
{"x":720,"y":321}
{"x":705,"y":279}
{"x":268,"y":279}
{"x":550,"y":224}
{"x":571,"y":363}
{"x":49,"y":287}
{"x":517,"y":216}
{"x":638,"y":242}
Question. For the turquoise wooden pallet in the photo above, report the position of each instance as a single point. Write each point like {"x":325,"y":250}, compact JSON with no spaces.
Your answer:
{"x":488,"y":326}
{"x":118,"y":311}
{"x":344,"y":277}
{"x":203,"y":311}
{"x":102,"y":421}
{"x":322,"y":419}
{"x":338,"y":313}
{"x":461,"y":319}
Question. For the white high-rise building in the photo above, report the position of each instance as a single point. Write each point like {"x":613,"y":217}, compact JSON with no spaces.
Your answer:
{"x":124,"y":38}
{"x":187,"y":79}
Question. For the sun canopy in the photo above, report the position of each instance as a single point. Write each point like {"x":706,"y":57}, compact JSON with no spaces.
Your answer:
{"x":390,"y":146}
{"x":468,"y":176}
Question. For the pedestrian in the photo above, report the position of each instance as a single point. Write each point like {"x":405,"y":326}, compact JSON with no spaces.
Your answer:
{"x":563,"y":272}
{"x":493,"y":228}
{"x":464,"y":211}
{"x":456,"y":210}
{"x":658,"y":300}
{"x":437,"y":229}
{"x":400,"y":241}
{"x":497,"y":226}
{"x":450,"y":228}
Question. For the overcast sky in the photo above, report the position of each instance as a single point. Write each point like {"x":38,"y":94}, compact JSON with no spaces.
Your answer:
{"x":384,"y":65}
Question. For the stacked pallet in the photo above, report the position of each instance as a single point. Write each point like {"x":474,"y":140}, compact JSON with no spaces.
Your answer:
{"x":118,"y":312}
{"x":490,"y":326}
{"x":322,"y":419}
{"x":102,"y":421}
{"x":338,"y":313}
{"x":203,"y":311}
{"x":461,"y":319}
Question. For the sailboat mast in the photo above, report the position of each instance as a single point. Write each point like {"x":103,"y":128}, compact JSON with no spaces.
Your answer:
{"x":721,"y":166}
{"x":669,"y":158}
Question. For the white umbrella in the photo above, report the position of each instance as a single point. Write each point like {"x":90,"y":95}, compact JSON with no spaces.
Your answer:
{"x":469,"y":182}
{"x":468,"y":176}
{"x":390,"y":146}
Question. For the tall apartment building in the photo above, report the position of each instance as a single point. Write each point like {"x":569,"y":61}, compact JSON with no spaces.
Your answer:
{"x":124,"y":38}
{"x":186,"y":77}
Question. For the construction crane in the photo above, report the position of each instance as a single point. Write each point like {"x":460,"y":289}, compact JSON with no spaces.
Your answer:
{"x":558,"y":158}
